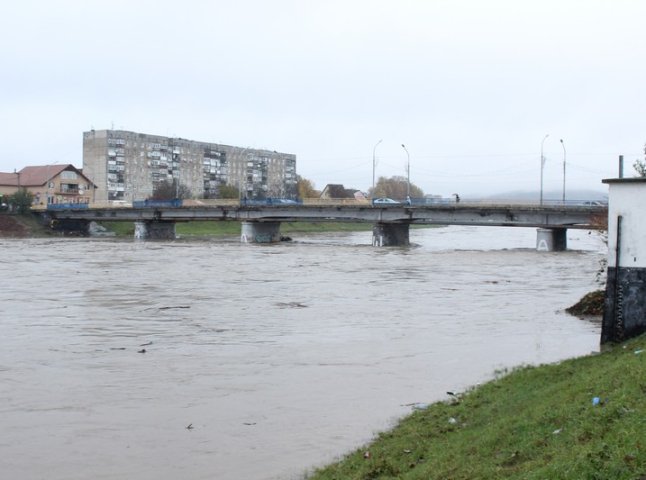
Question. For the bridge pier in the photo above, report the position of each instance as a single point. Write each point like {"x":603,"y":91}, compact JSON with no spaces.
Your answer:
{"x":155,"y":230}
{"x":260,"y":232}
{"x":70,"y":226}
{"x":551,"y":239}
{"x":390,"y":235}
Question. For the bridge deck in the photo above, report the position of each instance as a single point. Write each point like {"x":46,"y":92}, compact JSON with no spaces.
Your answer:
{"x":546,"y":216}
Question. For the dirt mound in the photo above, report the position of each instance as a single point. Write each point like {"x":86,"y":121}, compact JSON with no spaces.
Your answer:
{"x":10,"y":226}
{"x":590,"y":304}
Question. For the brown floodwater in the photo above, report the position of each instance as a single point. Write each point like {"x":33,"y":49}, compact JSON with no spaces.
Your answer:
{"x":280,"y":358}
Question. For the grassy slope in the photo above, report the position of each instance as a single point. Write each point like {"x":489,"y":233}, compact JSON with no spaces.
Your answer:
{"x":535,"y":423}
{"x":189,"y":229}
{"x":22,"y":226}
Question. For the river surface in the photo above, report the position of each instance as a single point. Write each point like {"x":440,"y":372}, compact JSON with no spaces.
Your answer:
{"x":280,"y":358}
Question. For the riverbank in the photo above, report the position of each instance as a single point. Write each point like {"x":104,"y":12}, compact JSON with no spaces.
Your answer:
{"x":580,"y":418}
{"x":215,"y":229}
{"x":22,"y":226}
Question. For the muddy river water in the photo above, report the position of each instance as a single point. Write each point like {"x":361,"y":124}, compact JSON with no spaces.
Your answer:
{"x":279,"y":358}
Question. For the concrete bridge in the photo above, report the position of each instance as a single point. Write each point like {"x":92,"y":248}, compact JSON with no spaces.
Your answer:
{"x":261,"y":223}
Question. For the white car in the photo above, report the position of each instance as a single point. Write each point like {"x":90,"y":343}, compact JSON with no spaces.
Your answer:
{"x":385,"y":201}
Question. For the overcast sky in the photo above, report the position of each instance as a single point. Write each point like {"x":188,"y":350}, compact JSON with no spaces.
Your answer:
{"x":471,"y":87}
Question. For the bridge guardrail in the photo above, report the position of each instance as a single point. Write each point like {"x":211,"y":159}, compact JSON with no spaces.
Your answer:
{"x":174,"y":203}
{"x":67,"y":206}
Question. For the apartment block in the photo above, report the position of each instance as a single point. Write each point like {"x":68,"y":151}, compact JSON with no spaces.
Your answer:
{"x":127,"y":166}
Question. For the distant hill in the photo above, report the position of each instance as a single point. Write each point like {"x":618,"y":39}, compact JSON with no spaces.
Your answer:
{"x":525,"y":196}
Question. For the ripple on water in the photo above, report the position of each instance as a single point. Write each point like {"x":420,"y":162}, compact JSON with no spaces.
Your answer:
{"x":252,"y":343}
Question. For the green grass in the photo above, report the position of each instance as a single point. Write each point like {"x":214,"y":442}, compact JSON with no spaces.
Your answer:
{"x":120,"y":228}
{"x":199,"y":229}
{"x":534,"y":423}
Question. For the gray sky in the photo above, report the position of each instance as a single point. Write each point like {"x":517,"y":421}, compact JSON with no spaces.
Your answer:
{"x":470,"y":87}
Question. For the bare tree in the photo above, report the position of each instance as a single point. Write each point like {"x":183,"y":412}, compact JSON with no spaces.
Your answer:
{"x":169,"y":190}
{"x":640,"y":165}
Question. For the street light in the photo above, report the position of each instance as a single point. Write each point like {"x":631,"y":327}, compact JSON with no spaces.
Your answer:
{"x":241,"y":178}
{"x":542,"y":166}
{"x":373,"y":167}
{"x":407,"y":173}
{"x":563,"y":145}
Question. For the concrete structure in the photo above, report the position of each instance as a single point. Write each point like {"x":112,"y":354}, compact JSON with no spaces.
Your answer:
{"x":50,"y":184}
{"x":128,"y":165}
{"x":261,"y":223}
{"x":260,"y":232}
{"x":390,"y":235}
{"x":625,"y":303}
{"x":551,"y":239}
{"x":155,"y":230}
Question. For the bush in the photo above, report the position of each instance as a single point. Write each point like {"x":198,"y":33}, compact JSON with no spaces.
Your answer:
{"x":21,"y":201}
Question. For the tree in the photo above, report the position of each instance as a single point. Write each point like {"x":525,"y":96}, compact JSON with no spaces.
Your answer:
{"x":169,"y":190}
{"x":640,"y":165}
{"x":306,"y":188}
{"x":395,"y":187}
{"x":229,"y":191}
{"x":21,"y":200}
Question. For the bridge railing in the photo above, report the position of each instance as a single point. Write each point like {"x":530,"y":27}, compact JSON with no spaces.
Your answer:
{"x":335,"y":201}
{"x":234,"y":202}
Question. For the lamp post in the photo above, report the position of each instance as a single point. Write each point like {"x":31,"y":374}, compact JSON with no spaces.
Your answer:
{"x":542,"y":166}
{"x":407,"y":172}
{"x":373,"y":167}
{"x":563,"y":145}
{"x":241,"y":178}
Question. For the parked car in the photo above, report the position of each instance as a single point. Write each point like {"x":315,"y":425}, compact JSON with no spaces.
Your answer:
{"x":385,"y":201}
{"x":282,"y":201}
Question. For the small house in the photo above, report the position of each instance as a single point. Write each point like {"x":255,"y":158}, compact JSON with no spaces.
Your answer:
{"x":50,"y":184}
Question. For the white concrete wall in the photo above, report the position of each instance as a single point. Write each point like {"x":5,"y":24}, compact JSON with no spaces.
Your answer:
{"x":627,"y":199}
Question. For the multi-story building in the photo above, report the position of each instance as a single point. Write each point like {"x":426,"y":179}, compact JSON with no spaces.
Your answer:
{"x":128,"y":166}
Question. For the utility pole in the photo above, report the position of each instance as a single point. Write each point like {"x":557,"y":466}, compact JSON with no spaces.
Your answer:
{"x":373,"y":167}
{"x":542,"y":166}
{"x":563,"y":145}
{"x":407,"y":173}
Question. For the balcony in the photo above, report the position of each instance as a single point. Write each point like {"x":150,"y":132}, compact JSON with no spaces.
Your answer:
{"x":68,"y":189}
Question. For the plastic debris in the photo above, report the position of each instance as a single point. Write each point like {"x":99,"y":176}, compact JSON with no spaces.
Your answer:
{"x":366,"y":454}
{"x":557,"y":431}
{"x":596,"y":401}
{"x":452,"y":421}
{"x":637,"y":352}
{"x":420,"y":406}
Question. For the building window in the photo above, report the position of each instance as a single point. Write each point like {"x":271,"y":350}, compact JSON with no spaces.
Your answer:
{"x":69,"y":175}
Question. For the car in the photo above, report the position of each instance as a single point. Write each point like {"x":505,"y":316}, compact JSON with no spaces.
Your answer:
{"x":593,"y":203}
{"x":385,"y":201}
